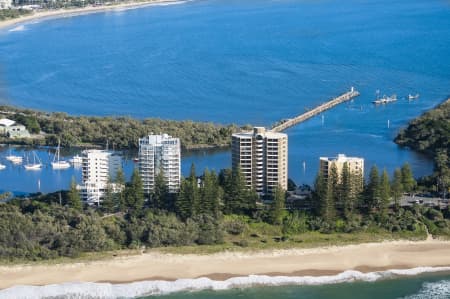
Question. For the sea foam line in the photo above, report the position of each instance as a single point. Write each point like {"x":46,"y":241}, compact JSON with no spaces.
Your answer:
{"x":160,"y":287}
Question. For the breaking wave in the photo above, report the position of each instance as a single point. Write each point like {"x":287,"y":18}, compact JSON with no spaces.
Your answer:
{"x":89,"y":290}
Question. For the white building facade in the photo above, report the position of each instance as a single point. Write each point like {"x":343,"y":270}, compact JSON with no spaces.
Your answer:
{"x":5,"y":4}
{"x":160,"y":153}
{"x":12,"y":129}
{"x":263,"y":158}
{"x":98,"y":166}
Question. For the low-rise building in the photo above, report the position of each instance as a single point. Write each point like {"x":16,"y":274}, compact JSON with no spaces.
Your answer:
{"x":12,"y":129}
{"x":5,"y":4}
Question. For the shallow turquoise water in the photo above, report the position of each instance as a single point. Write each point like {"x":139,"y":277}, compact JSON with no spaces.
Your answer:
{"x":253,"y":61}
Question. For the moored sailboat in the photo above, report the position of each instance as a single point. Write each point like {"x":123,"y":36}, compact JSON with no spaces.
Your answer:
{"x":57,"y":163}
{"x":36,"y":165}
{"x":14,"y":158}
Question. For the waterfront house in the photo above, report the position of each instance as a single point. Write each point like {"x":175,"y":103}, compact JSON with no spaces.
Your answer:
{"x":5,"y":4}
{"x":12,"y":129}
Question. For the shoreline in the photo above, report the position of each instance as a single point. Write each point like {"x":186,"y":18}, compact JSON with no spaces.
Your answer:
{"x":152,"y":266}
{"x":72,"y":12}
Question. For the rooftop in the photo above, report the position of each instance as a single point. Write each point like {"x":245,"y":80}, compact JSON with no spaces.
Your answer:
{"x":341,"y":158}
{"x":6,"y":122}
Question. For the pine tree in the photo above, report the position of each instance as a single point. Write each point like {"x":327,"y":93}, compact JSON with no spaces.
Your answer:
{"x":119,"y":197}
{"x":74,"y":199}
{"x":408,"y":181}
{"x":108,"y":202}
{"x":160,"y":192}
{"x":182,"y":204}
{"x":210,"y":194}
{"x":320,"y":195}
{"x":347,"y":192}
{"x":385,"y":192}
{"x":442,"y":171}
{"x":372,"y":193}
{"x":195,"y":191}
{"x":278,"y":205}
{"x":188,"y":200}
{"x":135,"y":194}
{"x":225,"y":182}
{"x":397,"y":187}
{"x":238,"y":188}
{"x":332,"y":194}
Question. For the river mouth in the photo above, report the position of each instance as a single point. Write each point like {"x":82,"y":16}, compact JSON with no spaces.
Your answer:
{"x":245,"y":62}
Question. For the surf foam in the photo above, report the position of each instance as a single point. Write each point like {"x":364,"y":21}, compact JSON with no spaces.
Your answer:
{"x":435,"y":290}
{"x":160,"y":287}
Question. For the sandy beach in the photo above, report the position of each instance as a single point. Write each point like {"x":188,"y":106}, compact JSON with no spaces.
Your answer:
{"x":61,"y":13}
{"x":294,"y":262}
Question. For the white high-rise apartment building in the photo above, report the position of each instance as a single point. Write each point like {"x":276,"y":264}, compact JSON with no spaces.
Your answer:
{"x":262,"y":157}
{"x":97,"y":167}
{"x":160,"y":153}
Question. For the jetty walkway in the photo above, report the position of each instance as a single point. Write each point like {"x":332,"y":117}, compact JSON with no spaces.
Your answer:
{"x":319,"y":109}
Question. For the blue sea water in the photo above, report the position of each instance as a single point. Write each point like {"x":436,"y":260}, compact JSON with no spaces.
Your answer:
{"x":246,"y":62}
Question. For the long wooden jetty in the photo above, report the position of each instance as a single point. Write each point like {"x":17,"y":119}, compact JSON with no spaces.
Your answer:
{"x":319,"y":109}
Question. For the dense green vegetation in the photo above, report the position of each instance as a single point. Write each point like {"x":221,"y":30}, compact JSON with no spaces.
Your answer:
{"x":120,"y":132}
{"x":430,"y":134}
{"x":217,"y":211}
{"x":6,"y":14}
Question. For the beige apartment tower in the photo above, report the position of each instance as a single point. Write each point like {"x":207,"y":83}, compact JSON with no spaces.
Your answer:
{"x":355,"y":166}
{"x":262,"y":157}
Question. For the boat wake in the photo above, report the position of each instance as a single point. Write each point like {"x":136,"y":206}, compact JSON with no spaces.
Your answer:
{"x":160,"y":287}
{"x":18,"y":28}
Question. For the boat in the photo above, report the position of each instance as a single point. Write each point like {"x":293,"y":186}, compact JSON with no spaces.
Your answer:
{"x":413,"y":97}
{"x":2,"y":166}
{"x":36,"y":165}
{"x":385,"y":100}
{"x":76,"y":159}
{"x":13,"y":158}
{"x":57,"y":163}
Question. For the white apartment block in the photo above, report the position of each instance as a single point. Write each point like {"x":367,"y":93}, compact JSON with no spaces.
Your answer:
{"x":355,"y":166}
{"x":160,"y":153}
{"x":5,"y":4}
{"x":97,"y":167}
{"x":262,"y":157}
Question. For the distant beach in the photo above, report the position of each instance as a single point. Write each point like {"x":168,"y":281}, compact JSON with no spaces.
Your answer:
{"x":155,"y":265}
{"x":62,"y":13}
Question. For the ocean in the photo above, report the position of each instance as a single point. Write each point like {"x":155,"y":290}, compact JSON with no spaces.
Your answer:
{"x":417,"y":283}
